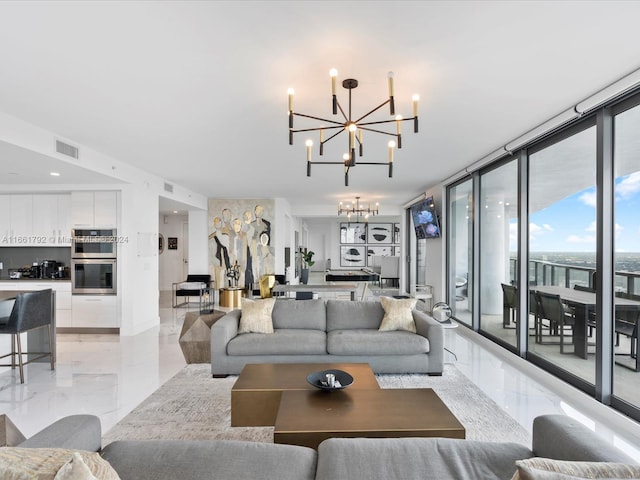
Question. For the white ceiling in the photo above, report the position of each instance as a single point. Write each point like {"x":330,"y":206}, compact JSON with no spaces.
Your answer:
{"x":196,"y":92}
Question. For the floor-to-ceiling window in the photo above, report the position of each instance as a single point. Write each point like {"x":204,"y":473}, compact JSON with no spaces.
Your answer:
{"x":460,"y":243}
{"x":627,"y":254}
{"x":562,"y":251}
{"x":579,"y":267}
{"x":498,"y":214}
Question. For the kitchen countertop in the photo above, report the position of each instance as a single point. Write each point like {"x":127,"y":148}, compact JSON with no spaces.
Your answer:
{"x":7,"y":279}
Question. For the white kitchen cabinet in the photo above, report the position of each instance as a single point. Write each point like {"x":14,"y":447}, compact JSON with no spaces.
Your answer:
{"x":5,"y":219}
{"x":35,"y":220}
{"x":45,"y":219}
{"x":94,"y":209}
{"x":94,"y":311}
{"x":105,"y":209}
{"x":64,"y":220}
{"x":21,"y":219}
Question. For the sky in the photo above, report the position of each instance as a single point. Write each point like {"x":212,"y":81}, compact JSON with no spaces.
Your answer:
{"x":570,"y":224}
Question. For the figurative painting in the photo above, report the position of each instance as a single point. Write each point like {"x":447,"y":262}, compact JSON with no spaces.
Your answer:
{"x":172,"y":243}
{"x":241,"y":241}
{"x":380,"y":233}
{"x":352,"y":256}
{"x":353,"y":233}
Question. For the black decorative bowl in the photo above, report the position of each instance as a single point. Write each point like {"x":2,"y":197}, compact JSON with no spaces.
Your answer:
{"x":319,"y":379}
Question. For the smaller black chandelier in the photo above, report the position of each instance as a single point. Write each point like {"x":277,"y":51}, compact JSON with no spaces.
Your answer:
{"x":354,"y":127}
{"x":357,"y":210}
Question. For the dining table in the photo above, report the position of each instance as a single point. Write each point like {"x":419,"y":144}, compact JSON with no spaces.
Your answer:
{"x":583,"y":304}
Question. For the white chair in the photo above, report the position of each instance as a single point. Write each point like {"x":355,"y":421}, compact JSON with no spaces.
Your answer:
{"x":424,"y":293}
{"x":390,"y":270}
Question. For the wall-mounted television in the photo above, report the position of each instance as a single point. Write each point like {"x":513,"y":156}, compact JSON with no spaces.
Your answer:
{"x":425,"y":219}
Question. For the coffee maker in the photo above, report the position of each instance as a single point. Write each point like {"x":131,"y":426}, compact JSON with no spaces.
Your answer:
{"x":49,"y":269}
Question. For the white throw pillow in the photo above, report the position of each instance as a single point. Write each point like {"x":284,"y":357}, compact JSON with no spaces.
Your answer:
{"x":52,"y":464}
{"x":397,"y":314}
{"x":256,"y":315}
{"x":548,"y":469}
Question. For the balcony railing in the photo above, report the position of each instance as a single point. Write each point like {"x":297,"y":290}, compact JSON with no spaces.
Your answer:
{"x":542,"y":272}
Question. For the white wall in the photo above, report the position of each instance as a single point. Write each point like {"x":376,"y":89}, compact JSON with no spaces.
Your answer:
{"x":138,"y":261}
{"x":198,"y":242}
{"x":170,"y":261}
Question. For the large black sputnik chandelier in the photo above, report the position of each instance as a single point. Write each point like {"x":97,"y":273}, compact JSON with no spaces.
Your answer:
{"x":354,"y":127}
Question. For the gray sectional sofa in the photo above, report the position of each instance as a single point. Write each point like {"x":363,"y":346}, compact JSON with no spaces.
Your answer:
{"x":337,"y":331}
{"x":554,"y":436}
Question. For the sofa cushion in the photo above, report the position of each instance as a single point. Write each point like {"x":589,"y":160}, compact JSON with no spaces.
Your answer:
{"x":397,"y":314}
{"x":309,"y":314}
{"x":549,"y":469}
{"x":343,"y":315}
{"x":256,"y":316}
{"x":212,"y":459}
{"x":423,"y":458}
{"x":18,"y":463}
{"x":284,"y":341}
{"x":373,"y":342}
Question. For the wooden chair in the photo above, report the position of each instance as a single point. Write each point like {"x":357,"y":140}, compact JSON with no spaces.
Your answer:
{"x":30,"y":311}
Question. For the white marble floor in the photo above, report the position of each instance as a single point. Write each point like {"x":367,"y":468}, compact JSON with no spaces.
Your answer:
{"x":108,"y":376}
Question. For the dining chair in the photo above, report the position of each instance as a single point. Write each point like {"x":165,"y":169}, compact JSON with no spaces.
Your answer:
{"x":626,"y":323}
{"x":31,"y":310}
{"x":557,"y":314}
{"x":509,"y":304}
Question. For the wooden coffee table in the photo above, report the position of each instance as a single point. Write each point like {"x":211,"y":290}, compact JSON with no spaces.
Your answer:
{"x":255,"y":397}
{"x":308,"y":417}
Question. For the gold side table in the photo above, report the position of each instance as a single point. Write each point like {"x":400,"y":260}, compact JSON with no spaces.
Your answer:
{"x":231,"y":297}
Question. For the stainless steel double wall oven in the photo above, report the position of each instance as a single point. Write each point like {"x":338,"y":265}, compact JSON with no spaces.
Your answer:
{"x":94,"y":261}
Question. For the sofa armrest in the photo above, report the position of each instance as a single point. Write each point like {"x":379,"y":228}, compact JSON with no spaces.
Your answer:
{"x":432,"y":330}
{"x":75,"y":432}
{"x":563,"y":438}
{"x":222,"y":332}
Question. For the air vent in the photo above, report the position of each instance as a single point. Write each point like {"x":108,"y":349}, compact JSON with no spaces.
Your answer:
{"x":66,"y":149}
{"x":168,"y":187}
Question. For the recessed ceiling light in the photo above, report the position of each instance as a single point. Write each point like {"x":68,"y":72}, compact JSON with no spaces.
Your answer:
{"x":175,"y":211}
{"x":54,"y":174}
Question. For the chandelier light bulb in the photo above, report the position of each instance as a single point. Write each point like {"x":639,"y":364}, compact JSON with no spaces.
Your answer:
{"x":353,"y":127}
{"x":309,"y":144}
{"x":398,"y":122}
{"x":416,"y":99}
{"x":390,"y":77}
{"x":290,"y":92}
{"x":334,"y":74}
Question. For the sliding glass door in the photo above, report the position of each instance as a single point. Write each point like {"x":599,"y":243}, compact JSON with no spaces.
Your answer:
{"x":498,"y":212}
{"x":627,"y":255}
{"x":460,"y":243}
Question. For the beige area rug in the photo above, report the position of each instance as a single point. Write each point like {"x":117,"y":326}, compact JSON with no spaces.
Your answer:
{"x":194,"y":406}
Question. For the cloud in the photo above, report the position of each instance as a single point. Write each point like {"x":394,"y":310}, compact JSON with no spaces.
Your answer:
{"x":536,"y":230}
{"x":579,"y":239}
{"x":588,"y":198}
{"x":629,"y":185}
{"x":617,"y":229}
